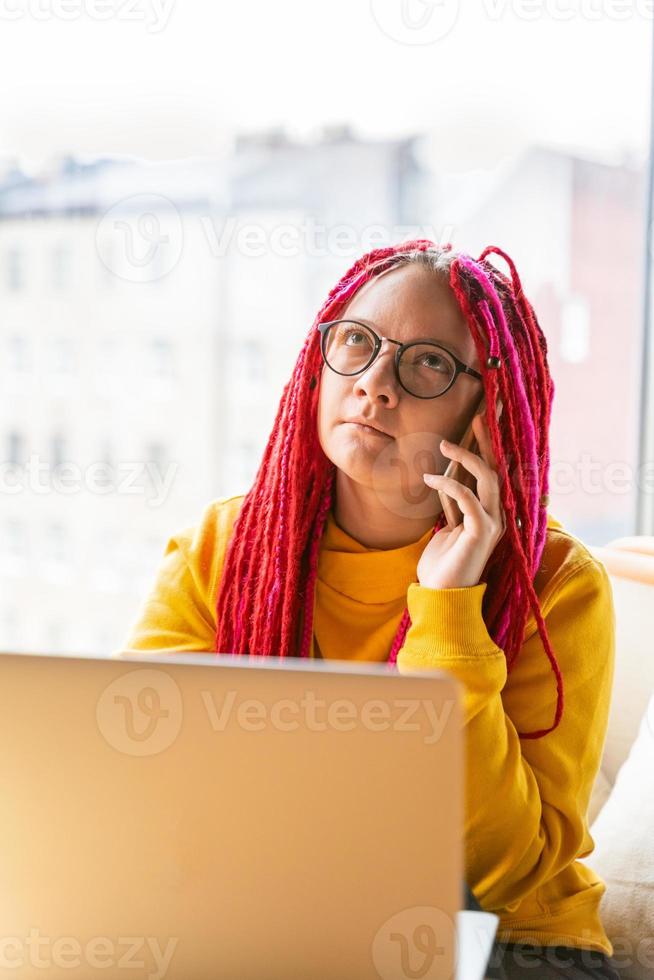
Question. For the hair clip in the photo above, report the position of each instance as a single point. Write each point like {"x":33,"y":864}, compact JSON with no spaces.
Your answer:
{"x":493,"y":362}
{"x":518,"y":522}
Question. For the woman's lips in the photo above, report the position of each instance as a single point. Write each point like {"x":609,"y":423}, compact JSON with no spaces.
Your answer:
{"x":369,"y":428}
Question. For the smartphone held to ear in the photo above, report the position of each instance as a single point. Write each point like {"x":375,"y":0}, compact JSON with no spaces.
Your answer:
{"x":458,"y":472}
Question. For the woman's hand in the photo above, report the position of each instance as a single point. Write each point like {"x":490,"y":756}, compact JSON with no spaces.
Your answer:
{"x":455,"y":558}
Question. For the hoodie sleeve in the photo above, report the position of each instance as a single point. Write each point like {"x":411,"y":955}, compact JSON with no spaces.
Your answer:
{"x":525,"y":799}
{"x":178,"y":614}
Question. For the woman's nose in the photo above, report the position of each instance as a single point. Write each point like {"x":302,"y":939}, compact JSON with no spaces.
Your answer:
{"x":379,"y":377}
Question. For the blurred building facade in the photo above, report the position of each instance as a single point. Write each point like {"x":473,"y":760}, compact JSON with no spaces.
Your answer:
{"x":150,"y":316}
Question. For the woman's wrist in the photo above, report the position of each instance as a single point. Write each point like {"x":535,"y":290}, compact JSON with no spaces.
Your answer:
{"x":439,"y":583}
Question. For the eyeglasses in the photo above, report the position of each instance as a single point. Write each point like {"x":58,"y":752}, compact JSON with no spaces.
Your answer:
{"x":425,"y":370}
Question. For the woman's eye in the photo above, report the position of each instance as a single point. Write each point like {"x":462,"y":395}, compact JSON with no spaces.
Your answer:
{"x":353,"y":333}
{"x":434,"y":361}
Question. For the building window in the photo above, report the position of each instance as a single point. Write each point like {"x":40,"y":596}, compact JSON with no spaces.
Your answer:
{"x":16,"y":538}
{"x":56,"y":541}
{"x":247,"y":462}
{"x":104,"y":475}
{"x":16,"y":448}
{"x":11,"y":630}
{"x":63,"y":356}
{"x":160,"y":361}
{"x":18,"y":354}
{"x":107,"y":264}
{"x":156,"y":455}
{"x":15,"y":269}
{"x":55,"y":637}
{"x":250,"y":365}
{"x":575,"y":330}
{"x":62,"y":262}
{"x":57,"y":450}
{"x":107,"y":576}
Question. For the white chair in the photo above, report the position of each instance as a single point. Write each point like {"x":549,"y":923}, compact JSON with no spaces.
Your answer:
{"x":621,"y":809}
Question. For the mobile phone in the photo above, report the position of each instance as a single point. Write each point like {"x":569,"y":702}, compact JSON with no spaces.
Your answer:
{"x":457,"y":471}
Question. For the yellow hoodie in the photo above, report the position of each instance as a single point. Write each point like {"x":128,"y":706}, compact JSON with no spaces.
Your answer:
{"x":526,"y":800}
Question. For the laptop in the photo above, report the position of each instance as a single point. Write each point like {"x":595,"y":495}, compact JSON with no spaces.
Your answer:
{"x":191,"y":816}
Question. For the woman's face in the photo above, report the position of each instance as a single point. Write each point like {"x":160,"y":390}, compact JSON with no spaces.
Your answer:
{"x":405,"y":303}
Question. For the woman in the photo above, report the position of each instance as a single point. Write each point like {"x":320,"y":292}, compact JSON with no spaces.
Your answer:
{"x":341,"y":549}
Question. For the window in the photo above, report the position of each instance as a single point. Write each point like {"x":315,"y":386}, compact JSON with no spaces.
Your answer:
{"x":62,"y":359}
{"x":106,"y":572}
{"x":15,"y":269}
{"x":57,"y":450}
{"x":156,"y":455}
{"x":575,"y":330}
{"x":14,"y":547}
{"x":56,"y":544}
{"x":10,"y":638}
{"x":247,"y":461}
{"x":16,"y":538}
{"x":62,"y":260}
{"x":160,"y":362}
{"x":55,"y":636}
{"x":104,"y":474}
{"x":18,"y":354}
{"x":16,"y":448}
{"x":108,"y":357}
{"x":249,"y":362}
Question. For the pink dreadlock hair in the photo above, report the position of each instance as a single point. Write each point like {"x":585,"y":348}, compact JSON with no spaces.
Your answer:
{"x":266,"y":596}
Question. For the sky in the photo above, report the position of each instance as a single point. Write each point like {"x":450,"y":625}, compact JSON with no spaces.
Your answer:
{"x":175,"y":78}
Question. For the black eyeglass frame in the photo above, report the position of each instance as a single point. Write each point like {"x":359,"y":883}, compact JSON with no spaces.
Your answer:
{"x":461,"y":368}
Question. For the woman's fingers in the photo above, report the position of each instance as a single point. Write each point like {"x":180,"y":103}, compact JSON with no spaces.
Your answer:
{"x":479,"y":466}
{"x":470,"y":505}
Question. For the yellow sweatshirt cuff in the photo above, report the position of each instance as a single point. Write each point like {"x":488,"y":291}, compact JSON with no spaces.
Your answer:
{"x":447,"y":623}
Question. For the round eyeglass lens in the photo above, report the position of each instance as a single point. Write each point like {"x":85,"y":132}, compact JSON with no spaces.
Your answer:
{"x":426,"y":370}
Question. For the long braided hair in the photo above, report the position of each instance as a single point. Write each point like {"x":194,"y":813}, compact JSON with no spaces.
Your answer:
{"x":266,"y":596}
